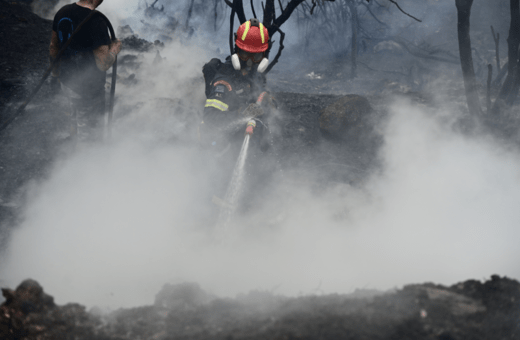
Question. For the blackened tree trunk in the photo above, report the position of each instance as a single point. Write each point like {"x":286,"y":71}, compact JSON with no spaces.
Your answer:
{"x":188,"y":17}
{"x":509,"y":90}
{"x":466,"y":58}
{"x":513,"y":42}
{"x":215,"y":4}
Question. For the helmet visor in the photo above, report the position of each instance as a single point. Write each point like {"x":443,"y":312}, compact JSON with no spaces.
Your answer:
{"x":245,"y":56}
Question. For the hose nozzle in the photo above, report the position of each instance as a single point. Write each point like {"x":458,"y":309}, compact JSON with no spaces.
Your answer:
{"x":250,"y":127}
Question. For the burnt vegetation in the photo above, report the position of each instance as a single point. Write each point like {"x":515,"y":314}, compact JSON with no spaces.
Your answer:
{"x":469,"y":309}
{"x":350,"y":46}
{"x":507,"y":91}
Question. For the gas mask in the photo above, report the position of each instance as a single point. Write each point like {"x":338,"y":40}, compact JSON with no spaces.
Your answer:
{"x":246,"y":62}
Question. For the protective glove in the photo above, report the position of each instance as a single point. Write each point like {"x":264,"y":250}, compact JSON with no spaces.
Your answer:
{"x":265,"y":99}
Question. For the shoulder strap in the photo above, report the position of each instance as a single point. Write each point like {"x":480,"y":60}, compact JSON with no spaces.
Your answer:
{"x":209,"y":70}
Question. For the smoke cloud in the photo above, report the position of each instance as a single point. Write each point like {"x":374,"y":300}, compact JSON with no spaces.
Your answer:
{"x":111,"y":224}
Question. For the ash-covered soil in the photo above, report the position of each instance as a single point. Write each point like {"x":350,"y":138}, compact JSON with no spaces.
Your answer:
{"x":466,"y":310}
{"x":28,"y":148}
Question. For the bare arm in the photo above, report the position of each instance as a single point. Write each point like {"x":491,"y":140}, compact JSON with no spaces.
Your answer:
{"x":53,"y":50}
{"x":106,"y":55}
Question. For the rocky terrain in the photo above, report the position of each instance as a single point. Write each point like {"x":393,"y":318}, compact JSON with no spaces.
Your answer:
{"x":466,"y":310}
{"x":346,"y":126}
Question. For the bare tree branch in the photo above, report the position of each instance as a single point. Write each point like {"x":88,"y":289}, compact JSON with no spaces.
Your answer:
{"x":278,"y":22}
{"x":277,"y":57}
{"x":231,"y":29}
{"x":373,"y":15}
{"x":403,"y":44}
{"x":269,"y":15}
{"x":466,"y":56}
{"x":399,"y":7}
{"x":216,"y":15}
{"x":496,"y":38}
{"x":272,"y":23}
{"x":189,"y":13}
{"x":513,"y":41}
{"x":313,"y":7}
{"x":239,"y":9}
{"x":280,"y":3}
{"x":253,"y":9}
{"x":488,"y":94}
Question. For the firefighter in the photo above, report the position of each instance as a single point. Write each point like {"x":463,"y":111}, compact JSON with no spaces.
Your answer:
{"x":237,"y":100}
{"x":83,"y":66}
{"x":238,"y":103}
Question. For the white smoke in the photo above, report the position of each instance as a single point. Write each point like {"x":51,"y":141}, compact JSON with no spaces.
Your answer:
{"x":112,"y":224}
{"x":152,"y":22}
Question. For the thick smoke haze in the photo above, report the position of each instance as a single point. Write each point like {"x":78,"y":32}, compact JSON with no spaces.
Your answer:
{"x":111,"y":224}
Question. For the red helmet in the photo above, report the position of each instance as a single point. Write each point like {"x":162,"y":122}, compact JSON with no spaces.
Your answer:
{"x":252,"y":37}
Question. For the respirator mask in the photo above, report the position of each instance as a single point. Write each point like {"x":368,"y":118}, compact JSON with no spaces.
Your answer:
{"x":245,"y":60}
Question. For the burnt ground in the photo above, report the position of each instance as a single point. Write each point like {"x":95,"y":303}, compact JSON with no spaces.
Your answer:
{"x":28,"y":147}
{"x":466,"y":310}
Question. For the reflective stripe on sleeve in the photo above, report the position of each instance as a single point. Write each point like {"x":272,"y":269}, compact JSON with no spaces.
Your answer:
{"x":248,"y":26}
{"x":217,"y":104}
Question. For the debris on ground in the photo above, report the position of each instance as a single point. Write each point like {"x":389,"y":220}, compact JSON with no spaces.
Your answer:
{"x":467,"y":310}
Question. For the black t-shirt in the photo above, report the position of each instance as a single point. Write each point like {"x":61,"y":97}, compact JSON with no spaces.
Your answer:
{"x":78,"y":68}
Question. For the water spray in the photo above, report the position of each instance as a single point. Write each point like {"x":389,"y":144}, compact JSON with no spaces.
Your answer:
{"x":237,"y":180}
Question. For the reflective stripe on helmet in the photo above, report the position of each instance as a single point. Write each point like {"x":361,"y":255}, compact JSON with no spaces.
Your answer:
{"x":248,"y":26}
{"x":262,"y":33}
{"x":217,"y":104}
{"x":252,"y":39}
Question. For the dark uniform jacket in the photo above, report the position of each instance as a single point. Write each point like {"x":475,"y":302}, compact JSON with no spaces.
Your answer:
{"x":228,"y":94}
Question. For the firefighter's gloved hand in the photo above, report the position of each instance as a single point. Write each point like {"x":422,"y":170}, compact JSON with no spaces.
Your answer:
{"x":266,"y":100}
{"x":253,"y":111}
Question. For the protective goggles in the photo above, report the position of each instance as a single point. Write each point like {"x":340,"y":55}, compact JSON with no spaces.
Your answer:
{"x":255,"y":57}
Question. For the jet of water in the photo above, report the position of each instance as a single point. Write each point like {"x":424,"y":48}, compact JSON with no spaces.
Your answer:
{"x":234,"y":189}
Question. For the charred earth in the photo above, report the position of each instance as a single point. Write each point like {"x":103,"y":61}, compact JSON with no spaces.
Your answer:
{"x":467,"y":310}
{"x":322,"y":134}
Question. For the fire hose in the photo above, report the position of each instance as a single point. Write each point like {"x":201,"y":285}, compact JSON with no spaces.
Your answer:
{"x":18,"y":112}
{"x":251,"y":124}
